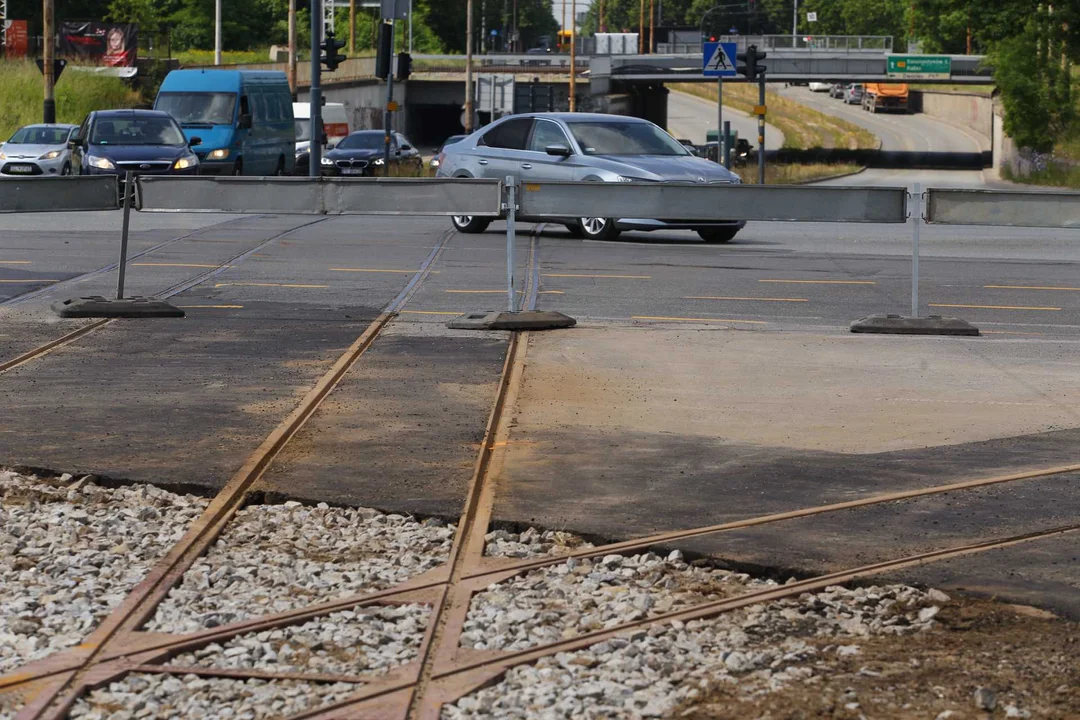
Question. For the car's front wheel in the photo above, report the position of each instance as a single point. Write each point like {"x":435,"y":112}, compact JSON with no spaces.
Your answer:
{"x":470,"y":224}
{"x":598,"y":228}
{"x":718,"y":235}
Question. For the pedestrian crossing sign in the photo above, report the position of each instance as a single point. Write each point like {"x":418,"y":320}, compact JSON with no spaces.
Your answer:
{"x":718,"y":59}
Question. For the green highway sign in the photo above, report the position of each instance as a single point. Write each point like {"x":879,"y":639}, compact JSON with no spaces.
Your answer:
{"x":919,"y":67}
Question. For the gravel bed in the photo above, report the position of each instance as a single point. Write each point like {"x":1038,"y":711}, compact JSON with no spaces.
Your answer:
{"x":273,"y":558}
{"x":70,"y":550}
{"x":350,"y":642}
{"x":143,"y":695}
{"x":531,"y":543}
{"x":651,"y":672}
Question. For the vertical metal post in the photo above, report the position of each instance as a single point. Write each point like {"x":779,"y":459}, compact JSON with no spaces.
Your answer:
{"x":217,"y":32}
{"x":573,"y":56}
{"x":389,"y":99}
{"x":727,"y":146}
{"x":352,"y":28}
{"x":292,"y":48}
{"x":468,"y":124}
{"x":410,"y":27}
{"x":916,"y":214}
{"x":721,"y":141}
{"x":315,"y":99}
{"x":761,"y":132}
{"x":48,"y":107}
{"x":129,"y":189}
{"x":794,"y":24}
{"x":511,"y":210}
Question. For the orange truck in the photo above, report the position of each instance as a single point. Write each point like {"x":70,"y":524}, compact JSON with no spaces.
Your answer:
{"x":889,"y":97}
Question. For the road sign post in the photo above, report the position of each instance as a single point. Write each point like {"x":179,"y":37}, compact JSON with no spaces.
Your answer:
{"x":918,"y":67}
{"x":718,"y":61}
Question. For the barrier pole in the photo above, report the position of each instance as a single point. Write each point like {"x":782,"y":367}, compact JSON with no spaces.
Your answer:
{"x":917,"y":219}
{"x":511,"y":208}
{"x":129,"y":188}
{"x":727,"y":146}
{"x":721,"y":141}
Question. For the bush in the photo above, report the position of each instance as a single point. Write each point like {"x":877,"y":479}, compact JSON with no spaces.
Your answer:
{"x":77,"y":93}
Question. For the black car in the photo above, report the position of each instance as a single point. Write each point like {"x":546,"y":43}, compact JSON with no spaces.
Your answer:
{"x":361,"y":154}
{"x":148,"y":142}
{"x":438,"y":151}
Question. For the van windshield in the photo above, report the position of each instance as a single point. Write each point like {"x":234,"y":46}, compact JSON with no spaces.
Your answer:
{"x":193,"y":108}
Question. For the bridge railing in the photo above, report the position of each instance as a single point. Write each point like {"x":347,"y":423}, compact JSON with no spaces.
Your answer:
{"x":876,"y":44}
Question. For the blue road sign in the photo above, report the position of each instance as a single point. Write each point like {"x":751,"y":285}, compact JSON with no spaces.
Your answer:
{"x":718,"y":59}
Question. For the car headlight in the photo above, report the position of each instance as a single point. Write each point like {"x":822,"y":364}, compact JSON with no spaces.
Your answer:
{"x":51,"y":155}
{"x":2,"y":155}
{"x":377,"y":161}
{"x":186,"y":162}
{"x":102,"y":163}
{"x":219,"y":154}
{"x":624,"y":178}
{"x":327,"y":161}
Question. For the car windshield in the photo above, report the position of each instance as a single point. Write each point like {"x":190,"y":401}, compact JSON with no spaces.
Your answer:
{"x":303,"y":129}
{"x":40,"y":135}
{"x":362,"y":141}
{"x":624,"y":138}
{"x":136,"y":131}
{"x":195,"y":108}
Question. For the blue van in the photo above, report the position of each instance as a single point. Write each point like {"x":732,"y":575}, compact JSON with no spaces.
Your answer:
{"x":243,"y":117}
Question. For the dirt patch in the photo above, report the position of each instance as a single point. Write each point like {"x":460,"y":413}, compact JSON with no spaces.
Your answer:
{"x":1030,"y":663}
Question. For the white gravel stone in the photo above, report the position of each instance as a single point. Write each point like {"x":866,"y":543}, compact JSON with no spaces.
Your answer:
{"x":193,"y":697}
{"x":531,"y":543}
{"x":273,"y":558}
{"x":350,"y":642}
{"x":70,"y":552}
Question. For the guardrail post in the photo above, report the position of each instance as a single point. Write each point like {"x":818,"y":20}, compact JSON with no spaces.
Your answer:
{"x":916,"y":215}
{"x":511,"y":209}
{"x":129,"y":188}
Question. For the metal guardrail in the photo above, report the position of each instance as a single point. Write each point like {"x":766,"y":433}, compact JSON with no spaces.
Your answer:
{"x":59,"y":194}
{"x":1009,"y":208}
{"x":322,"y":196}
{"x":692,"y":201}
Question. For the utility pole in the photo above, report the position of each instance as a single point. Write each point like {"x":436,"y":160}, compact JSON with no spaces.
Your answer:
{"x":217,"y":32}
{"x":48,"y":108}
{"x":563,"y":28}
{"x":292,"y":47}
{"x":514,"y":34}
{"x":315,"y":99}
{"x":652,"y":26}
{"x":603,"y":27}
{"x":387,"y":115}
{"x":794,"y":23}
{"x":352,"y":28}
{"x":468,"y":68}
{"x":641,"y":28}
{"x":573,"y":56}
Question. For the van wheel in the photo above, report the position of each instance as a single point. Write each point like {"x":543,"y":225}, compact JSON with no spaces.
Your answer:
{"x":238,"y":168}
{"x":469,"y":224}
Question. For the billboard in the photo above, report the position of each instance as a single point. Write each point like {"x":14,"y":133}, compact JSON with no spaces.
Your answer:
{"x":111,"y":44}
{"x":16,"y":38}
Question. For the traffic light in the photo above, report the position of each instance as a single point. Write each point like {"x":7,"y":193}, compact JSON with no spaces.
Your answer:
{"x":404,"y":66}
{"x":382,"y":53}
{"x":747,"y":63}
{"x":331,"y":58}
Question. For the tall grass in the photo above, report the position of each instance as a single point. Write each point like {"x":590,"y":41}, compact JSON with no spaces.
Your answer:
{"x":77,"y":93}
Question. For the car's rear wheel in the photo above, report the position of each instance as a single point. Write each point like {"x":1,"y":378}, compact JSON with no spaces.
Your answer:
{"x":718,"y":235}
{"x":575,"y":230}
{"x":598,"y":228}
{"x":470,"y":224}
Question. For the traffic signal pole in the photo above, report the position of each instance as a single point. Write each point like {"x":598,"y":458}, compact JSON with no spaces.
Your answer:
{"x":389,"y":99}
{"x":761,"y":131}
{"x":48,"y":113}
{"x":315,"y":156}
{"x":721,"y":141}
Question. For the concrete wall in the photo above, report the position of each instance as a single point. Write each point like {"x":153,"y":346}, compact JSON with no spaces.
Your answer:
{"x":970,"y":111}
{"x":364,"y":101}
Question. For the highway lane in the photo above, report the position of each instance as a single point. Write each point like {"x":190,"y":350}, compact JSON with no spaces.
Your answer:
{"x":691,"y":117}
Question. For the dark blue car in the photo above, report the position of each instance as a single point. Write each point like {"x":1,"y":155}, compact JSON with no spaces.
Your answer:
{"x":148,"y":142}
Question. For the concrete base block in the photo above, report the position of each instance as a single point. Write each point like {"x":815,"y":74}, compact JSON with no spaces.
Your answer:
{"x":97,"y":306}
{"x":899,"y":325}
{"x":524,"y":320}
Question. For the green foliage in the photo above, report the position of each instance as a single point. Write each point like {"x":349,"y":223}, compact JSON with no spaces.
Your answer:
{"x":76,"y":95}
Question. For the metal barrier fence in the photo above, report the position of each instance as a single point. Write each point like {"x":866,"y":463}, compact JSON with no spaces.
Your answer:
{"x":492,"y":198}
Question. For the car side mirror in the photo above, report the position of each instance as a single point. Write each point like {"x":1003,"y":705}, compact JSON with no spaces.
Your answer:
{"x":558,"y":150}
{"x":406,"y":147}
{"x":245,"y":122}
{"x":74,"y":143}
{"x":194,"y":141}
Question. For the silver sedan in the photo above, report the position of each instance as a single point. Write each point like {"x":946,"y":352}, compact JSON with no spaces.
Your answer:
{"x":36,"y":150}
{"x":585,"y":147}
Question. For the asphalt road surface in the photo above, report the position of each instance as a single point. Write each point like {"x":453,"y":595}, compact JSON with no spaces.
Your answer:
{"x":691,"y":117}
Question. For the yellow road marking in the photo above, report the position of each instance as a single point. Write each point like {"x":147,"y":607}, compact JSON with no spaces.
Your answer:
{"x":429,"y":312}
{"x":822,"y":282}
{"x":693,"y":319}
{"x":1031,"y":287}
{"x":14,"y":262}
{"x":250,"y":284}
{"x":993,"y":307}
{"x":761,"y":299}
{"x":622,"y":277}
{"x":373,"y":270}
{"x":551,"y":292}
{"x":27,"y":281}
{"x":194,"y":265}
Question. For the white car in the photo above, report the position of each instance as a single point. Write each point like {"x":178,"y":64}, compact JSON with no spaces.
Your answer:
{"x":820,"y":86}
{"x":36,"y":150}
